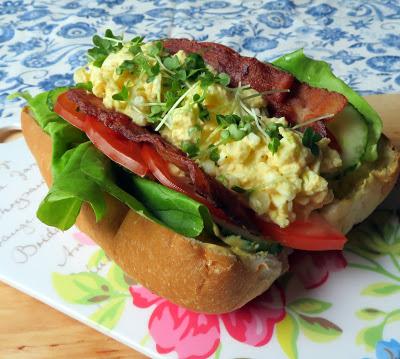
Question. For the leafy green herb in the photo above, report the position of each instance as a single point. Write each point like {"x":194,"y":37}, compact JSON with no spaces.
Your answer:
{"x":171,"y":63}
{"x":310,"y":139}
{"x":272,"y":130}
{"x":234,"y":127}
{"x":197,"y":98}
{"x":274,"y":144}
{"x":155,"y":113}
{"x":103,"y":47}
{"x":194,"y":65}
{"x":239,"y":189}
{"x":190,"y":148}
{"x":226,"y":120}
{"x":223,"y":79}
{"x":204,"y":114}
{"x":206,"y":79}
{"x":236,"y":133}
{"x":135,"y":45}
{"x":128,"y":66}
{"x":155,"y":49}
{"x":88,"y":86}
{"x":153,"y":72}
{"x":214,"y":153}
{"x":123,"y":95}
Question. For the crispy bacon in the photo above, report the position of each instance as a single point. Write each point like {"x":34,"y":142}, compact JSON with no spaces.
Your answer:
{"x":300,"y":104}
{"x":203,"y":184}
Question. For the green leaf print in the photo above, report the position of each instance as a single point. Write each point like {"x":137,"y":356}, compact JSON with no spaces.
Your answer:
{"x":97,"y":258}
{"x":309,"y":306}
{"x":81,"y":288}
{"x":318,"y":329}
{"x":117,"y":278}
{"x":370,"y":336}
{"x":380,"y":233}
{"x":381,"y":289}
{"x":370,"y":313}
{"x":109,"y":314}
{"x":287,"y":332}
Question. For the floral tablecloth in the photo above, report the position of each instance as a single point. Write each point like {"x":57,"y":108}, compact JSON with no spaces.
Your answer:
{"x":42,"y":42}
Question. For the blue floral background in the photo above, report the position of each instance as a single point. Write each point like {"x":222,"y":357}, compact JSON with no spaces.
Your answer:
{"x":42,"y":42}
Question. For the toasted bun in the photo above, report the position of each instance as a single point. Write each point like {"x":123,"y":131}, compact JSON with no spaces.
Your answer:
{"x":369,"y":187}
{"x":201,"y":276}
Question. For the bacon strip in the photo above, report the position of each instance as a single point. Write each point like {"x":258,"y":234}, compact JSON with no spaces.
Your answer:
{"x":203,"y":184}
{"x":300,"y":104}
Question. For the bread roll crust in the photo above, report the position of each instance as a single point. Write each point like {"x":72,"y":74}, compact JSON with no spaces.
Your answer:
{"x":368,"y":192}
{"x":200,"y":276}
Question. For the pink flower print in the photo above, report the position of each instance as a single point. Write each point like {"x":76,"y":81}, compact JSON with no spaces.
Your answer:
{"x":191,"y":335}
{"x":82,"y":238}
{"x":254,"y":323}
{"x":313,"y":268}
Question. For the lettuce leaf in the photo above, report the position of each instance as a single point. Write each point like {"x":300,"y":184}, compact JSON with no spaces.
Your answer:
{"x":319,"y":74}
{"x":163,"y":205}
{"x":171,"y":207}
{"x":71,"y":187}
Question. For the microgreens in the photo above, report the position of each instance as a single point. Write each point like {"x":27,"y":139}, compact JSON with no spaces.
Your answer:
{"x":88,"y":86}
{"x":213,"y":153}
{"x":190,"y":148}
{"x":272,"y":130}
{"x":135,"y":45}
{"x":233,"y":126}
{"x":103,"y":47}
{"x":238,"y":189}
{"x":128,"y":66}
{"x":310,"y":139}
{"x":204,"y":115}
{"x":123,"y":95}
{"x":155,"y":49}
{"x":155,"y":113}
{"x":171,"y":63}
{"x":274,"y":144}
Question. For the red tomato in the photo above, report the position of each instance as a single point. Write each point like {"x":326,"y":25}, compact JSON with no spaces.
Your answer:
{"x":117,"y":148}
{"x":114,"y":146}
{"x":68,"y":111}
{"x":313,"y":234}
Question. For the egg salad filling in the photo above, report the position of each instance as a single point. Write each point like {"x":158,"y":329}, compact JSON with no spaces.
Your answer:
{"x":279,"y":170}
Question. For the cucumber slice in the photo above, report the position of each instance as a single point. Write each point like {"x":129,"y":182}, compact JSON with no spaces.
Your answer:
{"x":351,"y":133}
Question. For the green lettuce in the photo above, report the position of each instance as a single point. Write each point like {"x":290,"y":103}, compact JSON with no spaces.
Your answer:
{"x":319,"y":74}
{"x":81,"y":174}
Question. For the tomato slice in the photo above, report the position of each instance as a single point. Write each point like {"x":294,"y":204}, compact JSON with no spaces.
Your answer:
{"x":68,"y":111}
{"x":313,"y":234}
{"x":116,"y":147}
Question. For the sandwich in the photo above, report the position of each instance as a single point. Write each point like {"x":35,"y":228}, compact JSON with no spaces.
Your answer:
{"x":199,"y":170}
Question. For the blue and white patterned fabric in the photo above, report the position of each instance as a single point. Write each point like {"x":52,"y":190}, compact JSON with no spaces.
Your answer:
{"x":43,"y":42}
